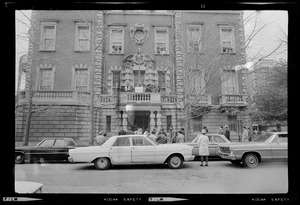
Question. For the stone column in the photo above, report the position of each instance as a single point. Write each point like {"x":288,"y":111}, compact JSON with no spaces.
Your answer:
{"x":158,"y":120}
{"x":125,"y":121}
{"x":152,"y":121}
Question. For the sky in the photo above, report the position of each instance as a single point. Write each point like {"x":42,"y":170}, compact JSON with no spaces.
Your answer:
{"x":264,"y":42}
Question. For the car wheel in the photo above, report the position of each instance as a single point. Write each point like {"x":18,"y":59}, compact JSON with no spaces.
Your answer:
{"x":19,"y":158}
{"x":236,"y":162}
{"x":175,"y":162}
{"x":250,"y":160}
{"x":102,"y":163}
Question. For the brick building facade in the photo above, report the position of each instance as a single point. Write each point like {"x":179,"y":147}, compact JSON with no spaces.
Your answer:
{"x":135,"y":63}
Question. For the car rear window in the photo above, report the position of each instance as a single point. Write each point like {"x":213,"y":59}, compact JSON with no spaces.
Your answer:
{"x":122,"y":141}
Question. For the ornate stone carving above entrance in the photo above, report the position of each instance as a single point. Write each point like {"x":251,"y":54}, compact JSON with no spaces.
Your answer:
{"x":138,"y":33}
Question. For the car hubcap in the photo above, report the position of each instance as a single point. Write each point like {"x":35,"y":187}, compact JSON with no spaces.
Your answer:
{"x":18,"y":157}
{"x":175,"y":161}
{"x":252,"y":160}
{"x":102,"y":163}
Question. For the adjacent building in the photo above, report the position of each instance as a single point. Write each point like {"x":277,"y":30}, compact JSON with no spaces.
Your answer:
{"x":141,"y":65}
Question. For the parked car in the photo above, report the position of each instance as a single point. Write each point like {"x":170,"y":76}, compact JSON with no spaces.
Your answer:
{"x":271,"y":146}
{"x":49,"y":149}
{"x":132,"y":149}
{"x":23,"y":187}
{"x":214,"y":141}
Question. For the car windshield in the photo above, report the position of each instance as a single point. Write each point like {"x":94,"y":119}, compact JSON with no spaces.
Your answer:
{"x":78,"y":142}
{"x":263,"y":138}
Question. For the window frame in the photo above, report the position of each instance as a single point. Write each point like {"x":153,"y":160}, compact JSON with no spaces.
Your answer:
{"x":75,"y":78}
{"x":40,"y":69}
{"x":200,"y":45}
{"x":233,"y":80}
{"x":166,"y":29}
{"x":77,"y":48}
{"x":111,"y":40}
{"x":232,"y":39}
{"x":42,"y":36}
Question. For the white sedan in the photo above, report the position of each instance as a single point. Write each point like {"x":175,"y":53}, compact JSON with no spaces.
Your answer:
{"x":132,"y":149}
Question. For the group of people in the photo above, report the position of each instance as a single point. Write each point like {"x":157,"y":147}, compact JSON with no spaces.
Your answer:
{"x":161,"y":136}
{"x":225,"y":131}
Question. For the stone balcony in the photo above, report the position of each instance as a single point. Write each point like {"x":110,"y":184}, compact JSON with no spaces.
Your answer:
{"x":69,"y":97}
{"x":83,"y":98}
{"x":233,"y":100}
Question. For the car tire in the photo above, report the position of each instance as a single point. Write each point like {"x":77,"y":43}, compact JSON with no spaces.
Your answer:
{"x":250,"y":160}
{"x":102,"y":163}
{"x":175,"y":162}
{"x":19,"y":158}
{"x":235,"y":162}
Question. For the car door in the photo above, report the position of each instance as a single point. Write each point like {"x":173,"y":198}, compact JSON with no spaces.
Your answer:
{"x":59,"y":150}
{"x":120,"y":151}
{"x":279,"y":147}
{"x":43,"y":150}
{"x":217,"y":140}
{"x":143,"y":151}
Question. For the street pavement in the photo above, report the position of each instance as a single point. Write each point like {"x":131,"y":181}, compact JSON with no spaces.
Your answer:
{"x":219,"y":177}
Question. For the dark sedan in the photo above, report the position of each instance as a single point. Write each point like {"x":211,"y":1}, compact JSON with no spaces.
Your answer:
{"x":49,"y":149}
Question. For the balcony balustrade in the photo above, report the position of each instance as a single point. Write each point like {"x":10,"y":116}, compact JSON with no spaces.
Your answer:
{"x":69,"y":97}
{"x":233,"y":100}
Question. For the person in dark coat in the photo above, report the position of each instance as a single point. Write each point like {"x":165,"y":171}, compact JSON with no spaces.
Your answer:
{"x":227,"y":132}
{"x":122,"y":132}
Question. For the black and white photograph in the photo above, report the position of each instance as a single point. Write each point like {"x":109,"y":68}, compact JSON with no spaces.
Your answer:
{"x":166,"y":104}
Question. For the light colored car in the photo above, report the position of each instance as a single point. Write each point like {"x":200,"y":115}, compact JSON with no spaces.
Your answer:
{"x":23,"y":187}
{"x":132,"y":149}
{"x":271,"y":146}
{"x":214,"y":141}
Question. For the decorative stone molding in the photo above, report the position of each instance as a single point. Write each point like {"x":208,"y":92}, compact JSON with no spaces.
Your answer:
{"x":138,"y":33}
{"x":179,"y":56}
{"x":98,"y":59}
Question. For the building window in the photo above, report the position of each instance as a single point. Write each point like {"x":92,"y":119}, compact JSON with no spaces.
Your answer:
{"x":83,"y":37}
{"x":45,"y":79}
{"x":232,"y":123}
{"x":162,"y":81}
{"x":197,"y":124}
{"x":139,"y":77}
{"x":169,"y":122}
{"x":230,"y":83}
{"x":48,"y":36}
{"x":227,"y":39}
{"x":116,"y":79}
{"x":108,"y":124}
{"x":82,"y":79}
{"x":116,"y":44}
{"x":161,"y":40}
{"x":194,"y":35}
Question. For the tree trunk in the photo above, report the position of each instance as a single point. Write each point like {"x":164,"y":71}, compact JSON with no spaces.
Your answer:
{"x":28,"y":121}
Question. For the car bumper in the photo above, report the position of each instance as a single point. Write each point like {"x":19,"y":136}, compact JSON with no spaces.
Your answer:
{"x":227,"y":156}
{"x":70,"y":159}
{"x":189,"y":158}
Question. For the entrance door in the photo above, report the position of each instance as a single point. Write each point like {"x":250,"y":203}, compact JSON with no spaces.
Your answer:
{"x":141,"y":120}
